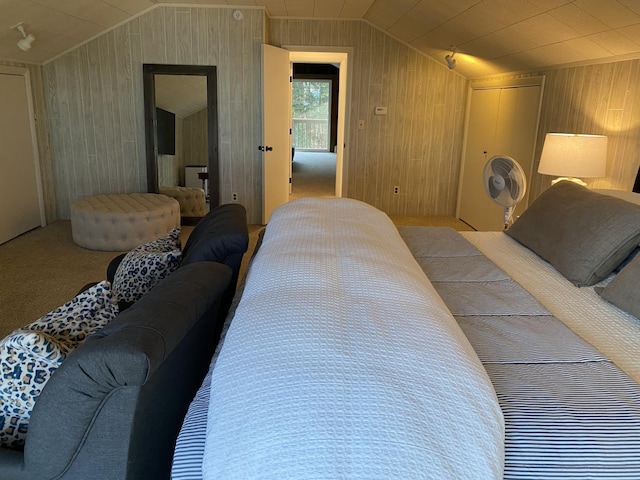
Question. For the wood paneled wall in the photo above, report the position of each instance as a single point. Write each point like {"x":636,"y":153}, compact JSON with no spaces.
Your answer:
{"x":95,"y":101}
{"x":417,"y":145}
{"x":194,"y":135}
{"x":168,"y":171}
{"x":42,"y":134}
{"x":601,"y":99}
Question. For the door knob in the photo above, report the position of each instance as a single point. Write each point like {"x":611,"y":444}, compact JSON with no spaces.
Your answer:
{"x":265,"y":148}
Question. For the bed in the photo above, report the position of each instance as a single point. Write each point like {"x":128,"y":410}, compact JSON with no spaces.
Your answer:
{"x":356,"y":349}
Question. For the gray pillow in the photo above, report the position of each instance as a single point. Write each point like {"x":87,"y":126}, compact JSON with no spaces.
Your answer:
{"x":583,"y":234}
{"x":622,"y":291}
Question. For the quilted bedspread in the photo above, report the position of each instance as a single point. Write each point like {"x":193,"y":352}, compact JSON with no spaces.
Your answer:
{"x":343,"y":362}
{"x":570,"y":412}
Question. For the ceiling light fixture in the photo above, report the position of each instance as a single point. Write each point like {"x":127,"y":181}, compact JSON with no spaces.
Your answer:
{"x":451,"y":62}
{"x":25,"y":42}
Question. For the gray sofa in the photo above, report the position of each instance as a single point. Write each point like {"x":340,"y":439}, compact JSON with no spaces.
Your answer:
{"x":114,"y":407}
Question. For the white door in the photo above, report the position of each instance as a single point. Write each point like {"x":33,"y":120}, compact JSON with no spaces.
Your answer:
{"x":20,"y":208}
{"x":519,"y":110}
{"x":501,"y":121}
{"x":474,"y":205}
{"x":276,"y":139}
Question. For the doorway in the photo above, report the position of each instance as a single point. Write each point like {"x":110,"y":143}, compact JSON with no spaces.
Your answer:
{"x":314,"y":112}
{"x":338,"y":57}
{"x":274,"y":186}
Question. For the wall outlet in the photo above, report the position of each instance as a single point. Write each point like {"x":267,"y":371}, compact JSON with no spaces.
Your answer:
{"x":234,"y":197}
{"x":360,"y":124}
{"x":396,"y":190}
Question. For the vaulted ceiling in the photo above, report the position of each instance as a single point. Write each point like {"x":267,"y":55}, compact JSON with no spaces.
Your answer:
{"x":491,"y":36}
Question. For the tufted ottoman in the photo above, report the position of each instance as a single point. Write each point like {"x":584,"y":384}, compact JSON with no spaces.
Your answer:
{"x":191,"y":199}
{"x":124,"y":221}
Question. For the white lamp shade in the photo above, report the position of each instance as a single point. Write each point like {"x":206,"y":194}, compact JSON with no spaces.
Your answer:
{"x":574,"y":155}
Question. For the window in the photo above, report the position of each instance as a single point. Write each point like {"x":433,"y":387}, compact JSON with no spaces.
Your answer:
{"x":311,"y":101}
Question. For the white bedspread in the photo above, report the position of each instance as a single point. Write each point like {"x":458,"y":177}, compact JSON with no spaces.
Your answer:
{"x":342,"y":362}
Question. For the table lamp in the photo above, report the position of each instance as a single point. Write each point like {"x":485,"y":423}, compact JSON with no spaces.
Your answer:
{"x":571,"y":156}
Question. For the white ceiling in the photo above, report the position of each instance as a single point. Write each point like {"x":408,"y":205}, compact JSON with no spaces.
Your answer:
{"x":183,"y":95}
{"x":492,"y":36}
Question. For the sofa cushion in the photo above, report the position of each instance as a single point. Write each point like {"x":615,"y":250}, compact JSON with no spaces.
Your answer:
{"x":219,"y":235}
{"x":31,"y":354}
{"x":144,"y":266}
{"x":583,"y":234}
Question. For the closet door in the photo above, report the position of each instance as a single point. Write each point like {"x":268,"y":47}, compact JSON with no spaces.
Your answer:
{"x":501,"y":121}
{"x":473,"y":204}
{"x":20,"y":209}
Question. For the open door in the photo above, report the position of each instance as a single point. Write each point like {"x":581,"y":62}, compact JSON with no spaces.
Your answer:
{"x":276,"y":137}
{"x":21,"y":206}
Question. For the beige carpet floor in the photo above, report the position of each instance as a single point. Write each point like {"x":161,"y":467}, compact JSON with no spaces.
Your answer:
{"x":313,"y":174}
{"x":42,"y":269}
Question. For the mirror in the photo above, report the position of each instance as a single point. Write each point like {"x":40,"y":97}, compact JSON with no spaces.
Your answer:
{"x":181,"y":128}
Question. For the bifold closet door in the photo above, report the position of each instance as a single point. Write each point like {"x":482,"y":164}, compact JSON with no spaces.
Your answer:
{"x":19,"y":201}
{"x":501,"y":121}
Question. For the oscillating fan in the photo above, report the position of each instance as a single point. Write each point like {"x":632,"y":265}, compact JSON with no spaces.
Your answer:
{"x":505,"y":183}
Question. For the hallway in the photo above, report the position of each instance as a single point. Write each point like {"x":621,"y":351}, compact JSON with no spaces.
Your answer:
{"x":314,"y":175}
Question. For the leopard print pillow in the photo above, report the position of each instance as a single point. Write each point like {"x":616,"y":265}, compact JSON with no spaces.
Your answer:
{"x":75,"y":320}
{"x":28,"y":359}
{"x":31,"y":354}
{"x":144,"y":266}
{"x":163,"y":244}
